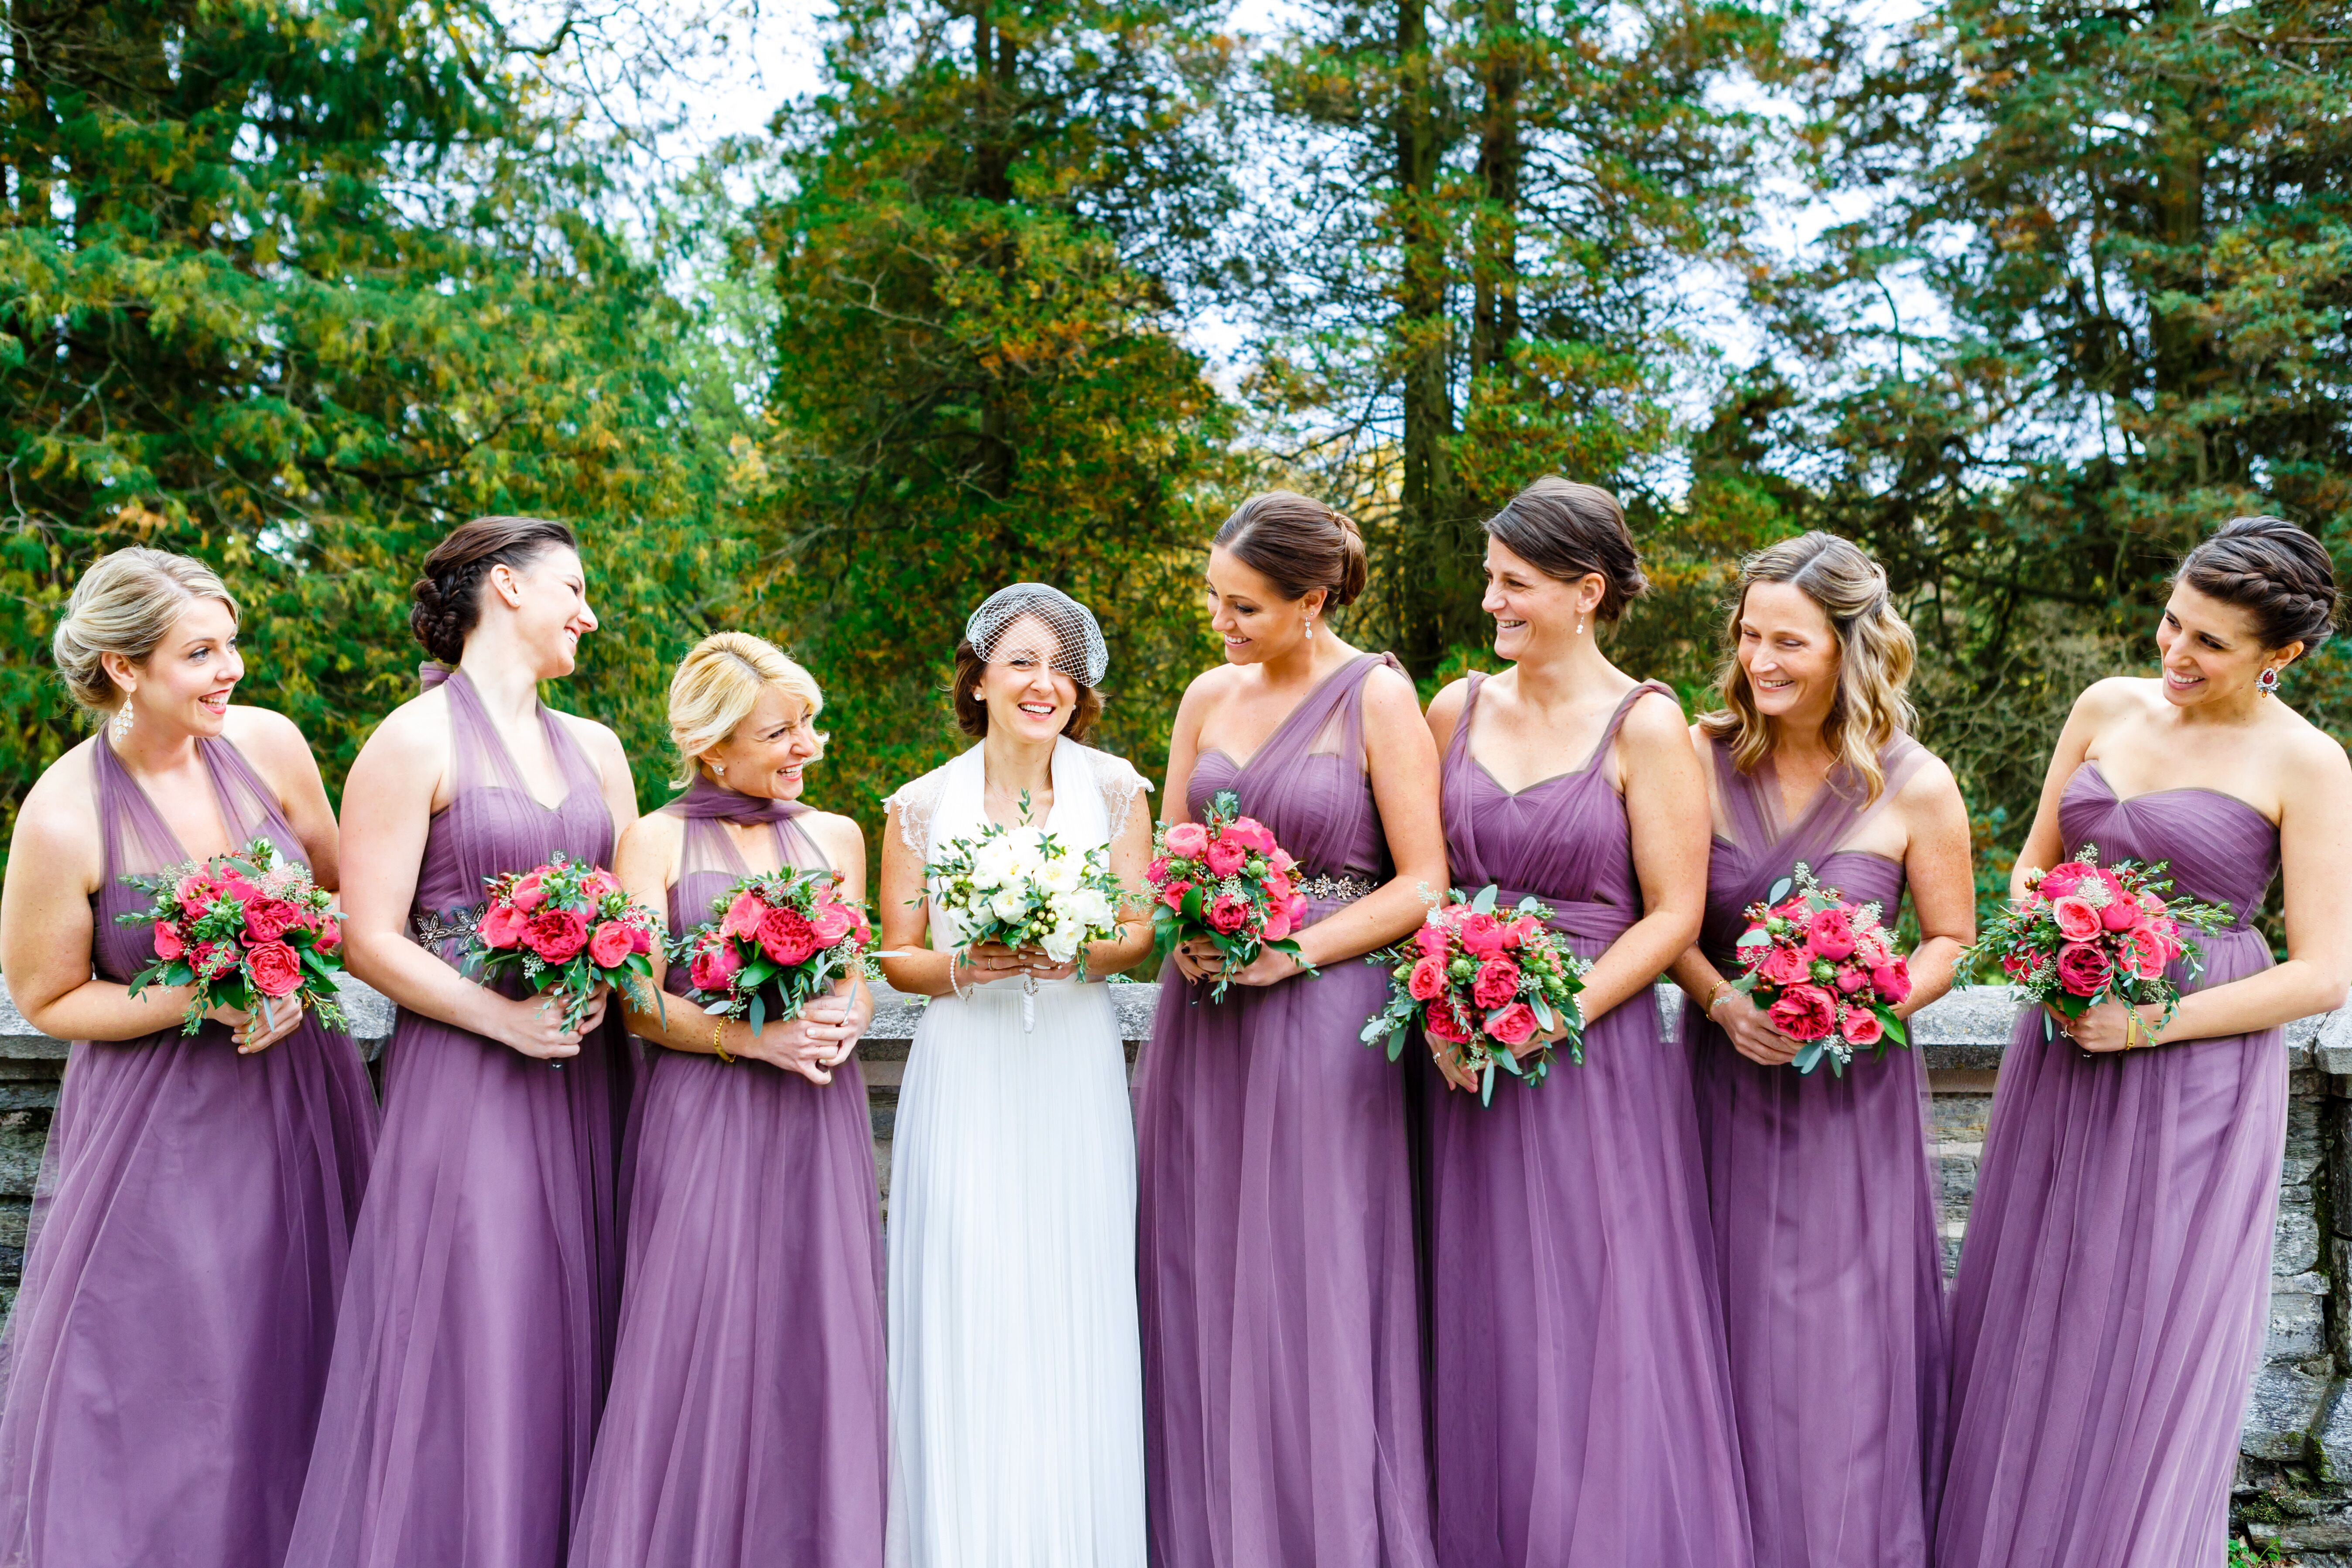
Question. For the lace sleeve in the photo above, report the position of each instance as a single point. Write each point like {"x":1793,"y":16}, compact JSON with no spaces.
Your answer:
{"x":1121,"y":787}
{"x":917,"y":802}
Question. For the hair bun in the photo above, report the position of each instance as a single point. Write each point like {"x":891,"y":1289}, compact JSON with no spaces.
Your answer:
{"x":2279,"y":574}
{"x":1299,"y":545}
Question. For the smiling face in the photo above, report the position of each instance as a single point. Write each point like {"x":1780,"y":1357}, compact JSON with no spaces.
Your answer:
{"x":1024,"y":694}
{"x":2210,"y":648}
{"x":1250,"y":616}
{"x":767,"y":754}
{"x":1790,"y":653}
{"x":1535,"y":614}
{"x":548,"y":594}
{"x":186,"y":683}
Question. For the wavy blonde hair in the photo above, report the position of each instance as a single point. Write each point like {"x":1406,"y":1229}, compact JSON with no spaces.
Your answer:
{"x":717,"y":685}
{"x":1875,"y":655}
{"x":125,"y":603}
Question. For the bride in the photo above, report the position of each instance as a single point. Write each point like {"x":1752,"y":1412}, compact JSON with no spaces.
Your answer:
{"x":1016,"y":1382}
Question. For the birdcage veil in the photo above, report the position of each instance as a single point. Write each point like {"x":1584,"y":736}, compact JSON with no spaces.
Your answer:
{"x":1079,"y":649}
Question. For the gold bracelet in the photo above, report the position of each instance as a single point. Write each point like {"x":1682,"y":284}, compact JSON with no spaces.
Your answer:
{"x":715,"y":1047}
{"x":1713,"y":998}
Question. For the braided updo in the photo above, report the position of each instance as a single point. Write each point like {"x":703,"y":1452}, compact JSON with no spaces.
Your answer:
{"x":2278,"y":573}
{"x":446,"y":602}
{"x":1299,"y":545}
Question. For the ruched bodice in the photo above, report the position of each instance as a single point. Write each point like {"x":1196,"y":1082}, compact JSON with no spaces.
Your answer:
{"x":709,"y":864}
{"x":2220,"y":849}
{"x":1308,"y":781}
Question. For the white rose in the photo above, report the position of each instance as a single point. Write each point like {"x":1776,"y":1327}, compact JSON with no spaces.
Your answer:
{"x":1089,"y":909}
{"x":1061,"y":874}
{"x":995,"y":863}
{"x":1009,"y":905}
{"x":1061,"y":943}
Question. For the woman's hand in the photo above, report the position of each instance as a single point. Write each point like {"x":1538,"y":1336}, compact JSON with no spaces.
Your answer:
{"x":1200,"y":959}
{"x":987,"y":960}
{"x":256,"y":1031}
{"x":835,"y":1020}
{"x":533,"y":1026}
{"x":1450,"y":1065}
{"x":2104,"y":1028}
{"x":1751,"y":1031}
{"x":810,"y":1045}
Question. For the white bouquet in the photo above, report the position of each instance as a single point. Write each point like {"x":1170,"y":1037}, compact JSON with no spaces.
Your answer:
{"x":1024,"y":887}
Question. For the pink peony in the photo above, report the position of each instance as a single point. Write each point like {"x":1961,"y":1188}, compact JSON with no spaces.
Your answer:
{"x":502,"y":925}
{"x":715,"y":966}
{"x":1892,"y":980}
{"x":1482,"y":935}
{"x":2077,"y":921}
{"x":1427,"y":981}
{"x":211,"y":958}
{"x":2083,"y":968}
{"x":599,"y":882}
{"x":1227,"y":913}
{"x":168,"y":943}
{"x":1861,"y":1027}
{"x":1251,"y":834}
{"x":555,"y":934}
{"x":1278,"y":888}
{"x":641,"y":936}
{"x":610,"y":947}
{"x":2017,"y":966}
{"x":1804,"y":1013}
{"x":1851,"y":979}
{"x":1433,"y":941}
{"x":2061,"y":880}
{"x":1225,"y":856}
{"x":1870,"y":948}
{"x":831,"y":923}
{"x":2121,"y":915}
{"x":194,"y":893}
{"x":1783,"y":965}
{"x":1279,"y":858}
{"x":234,"y":885}
{"x":267,"y":919}
{"x":527,"y":893}
{"x":1173,"y":895}
{"x":1496,"y":982}
{"x":785,"y":937}
{"x":1297,"y":911}
{"x":1277,"y":922}
{"x":2143,"y":950}
{"x":277,"y":972}
{"x":1157,"y":872}
{"x":1514,"y":1026}
{"x":1831,"y":934}
{"x":1445,"y":1021}
{"x":1522,"y":931}
{"x":329,"y":937}
{"x":1188,"y":840}
{"x":743,"y":916}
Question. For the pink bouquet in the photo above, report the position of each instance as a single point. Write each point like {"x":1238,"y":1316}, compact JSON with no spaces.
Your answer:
{"x":2086,"y":934}
{"x":1485,"y":983}
{"x":247,"y":931}
{"x":774,"y":940}
{"x":1824,"y":971}
{"x":1225,"y":879}
{"x":567,"y":927}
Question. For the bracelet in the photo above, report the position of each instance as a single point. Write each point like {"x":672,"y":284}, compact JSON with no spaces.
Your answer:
{"x":715,"y":1047}
{"x":955,"y":962}
{"x":1712,"y":997}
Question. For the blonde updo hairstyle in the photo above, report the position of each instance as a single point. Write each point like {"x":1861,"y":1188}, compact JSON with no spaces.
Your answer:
{"x":1877,"y":652}
{"x":125,"y":604}
{"x":717,"y":685}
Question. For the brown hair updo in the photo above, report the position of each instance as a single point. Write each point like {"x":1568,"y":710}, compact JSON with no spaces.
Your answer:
{"x":2278,"y":573}
{"x":1299,"y":545}
{"x":446,"y":602}
{"x":1569,"y":531}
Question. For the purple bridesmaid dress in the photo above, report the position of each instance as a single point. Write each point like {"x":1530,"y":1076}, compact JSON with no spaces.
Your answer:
{"x":167,"y":1354}
{"x":2115,"y":1286}
{"x":1580,"y":1404}
{"x":478,"y":1319}
{"x":1282,"y":1360}
{"x":745,"y":1427}
{"x":1824,"y":1211}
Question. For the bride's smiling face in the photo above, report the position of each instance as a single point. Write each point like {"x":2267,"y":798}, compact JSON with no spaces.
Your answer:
{"x":1025,"y":695}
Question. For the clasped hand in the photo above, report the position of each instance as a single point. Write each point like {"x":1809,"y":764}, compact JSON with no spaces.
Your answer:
{"x":1751,"y":1031}
{"x":263,"y":1027}
{"x":2101,"y":1029}
{"x":986,"y":961}
{"x":1199,"y":960}
{"x":815,"y":1042}
{"x":534,"y":1026}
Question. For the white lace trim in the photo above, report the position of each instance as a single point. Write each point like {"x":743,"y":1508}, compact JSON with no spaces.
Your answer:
{"x":917,"y":801}
{"x":1121,"y":787}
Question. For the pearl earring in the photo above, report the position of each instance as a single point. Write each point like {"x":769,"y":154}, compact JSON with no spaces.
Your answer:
{"x":1310,"y":628}
{"x":121,"y":723}
{"x":718,"y":768}
{"x":1579,"y":623}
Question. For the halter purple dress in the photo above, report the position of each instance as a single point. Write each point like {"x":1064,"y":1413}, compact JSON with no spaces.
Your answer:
{"x":168,"y":1350}
{"x":477,"y":1320}
{"x":1282,"y":1363}
{"x":1824,"y":1211}
{"x":2115,"y":1286}
{"x":746,"y":1424}
{"x":1580,"y":1404}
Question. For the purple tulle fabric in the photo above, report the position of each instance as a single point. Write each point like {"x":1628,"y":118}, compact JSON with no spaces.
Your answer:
{"x":1282,"y":1368}
{"x":1581,"y":1402}
{"x":168,"y":1351}
{"x":2114,"y":1286}
{"x":478,"y":1319}
{"x":1824,"y":1214}
{"x":746,"y":1426}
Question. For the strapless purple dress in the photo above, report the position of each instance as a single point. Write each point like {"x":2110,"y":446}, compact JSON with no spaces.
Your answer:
{"x":168,"y":1351}
{"x":478,"y":1319}
{"x":1282,"y":1365}
{"x":1824,"y":1210}
{"x":1580,"y":1403}
{"x":2113,"y":1289}
{"x":745,"y":1427}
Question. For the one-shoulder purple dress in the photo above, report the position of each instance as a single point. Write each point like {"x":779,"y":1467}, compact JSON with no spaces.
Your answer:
{"x":1282,"y":1361}
{"x":745,"y":1427}
{"x":478,"y":1319}
{"x":1824,"y":1210}
{"x":167,"y":1352}
{"x":1580,"y":1404}
{"x":2115,"y":1286}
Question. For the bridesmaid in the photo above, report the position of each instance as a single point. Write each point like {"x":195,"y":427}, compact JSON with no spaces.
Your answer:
{"x":1282,"y":1359}
{"x":1824,"y":1205}
{"x":2114,"y":1286}
{"x":1581,"y":1402}
{"x":168,"y":1349}
{"x":746,"y":1420}
{"x":476,"y":1331}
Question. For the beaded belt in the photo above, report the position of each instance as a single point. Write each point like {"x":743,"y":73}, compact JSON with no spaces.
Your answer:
{"x":431,"y":929}
{"x":1336,"y":890}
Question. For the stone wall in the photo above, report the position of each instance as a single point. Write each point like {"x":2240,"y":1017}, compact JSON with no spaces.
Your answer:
{"x":2294,"y":1482}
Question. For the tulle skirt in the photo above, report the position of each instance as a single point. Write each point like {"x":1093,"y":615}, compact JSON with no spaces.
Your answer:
{"x":1581,"y":1402}
{"x":479,"y":1314}
{"x":168,"y":1351}
{"x":1016,"y":1384}
{"x":1280,"y":1291}
{"x":2113,"y":1296}
{"x":745,"y":1424}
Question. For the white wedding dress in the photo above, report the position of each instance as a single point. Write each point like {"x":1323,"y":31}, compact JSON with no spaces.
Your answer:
{"x":1017,"y":1369}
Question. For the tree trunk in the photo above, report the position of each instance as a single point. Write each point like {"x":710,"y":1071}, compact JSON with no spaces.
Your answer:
{"x":1422,"y":333}
{"x":1495,"y":310}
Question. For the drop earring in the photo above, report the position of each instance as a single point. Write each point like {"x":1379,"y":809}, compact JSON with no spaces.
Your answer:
{"x":119,"y":725}
{"x":1579,"y":623}
{"x":2266,"y":682}
{"x":1310,"y":628}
